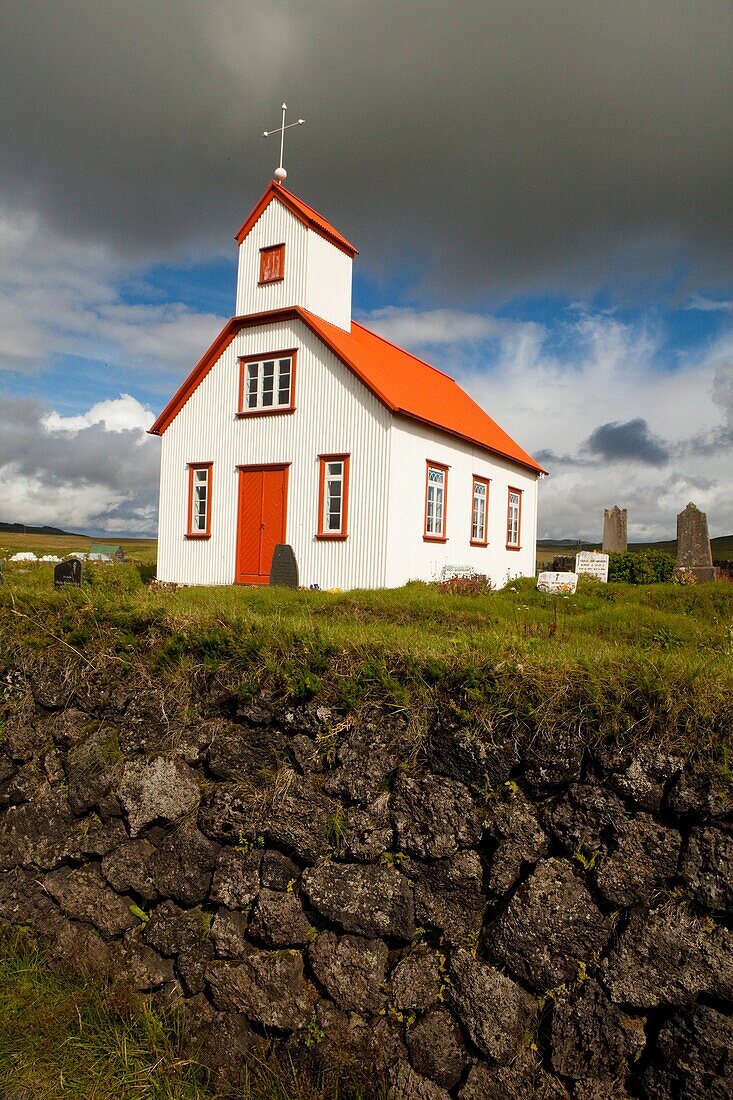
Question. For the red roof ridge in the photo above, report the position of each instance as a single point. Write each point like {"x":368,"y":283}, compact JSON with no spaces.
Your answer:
{"x":305,"y":213}
{"x":403,"y":351}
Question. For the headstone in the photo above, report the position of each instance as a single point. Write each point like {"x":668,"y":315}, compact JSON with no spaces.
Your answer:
{"x":591,"y":564}
{"x":693,"y":544}
{"x":284,"y":568}
{"x":561,"y":583}
{"x":614,"y":530}
{"x":67,"y":574}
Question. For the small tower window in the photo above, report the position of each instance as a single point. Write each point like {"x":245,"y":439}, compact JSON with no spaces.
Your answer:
{"x":272,"y":264}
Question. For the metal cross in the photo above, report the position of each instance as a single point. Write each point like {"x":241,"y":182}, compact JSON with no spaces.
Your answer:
{"x":280,"y":173}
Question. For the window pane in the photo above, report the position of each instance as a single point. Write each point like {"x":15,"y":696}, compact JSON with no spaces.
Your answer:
{"x":283,"y":391}
{"x":268,"y":382}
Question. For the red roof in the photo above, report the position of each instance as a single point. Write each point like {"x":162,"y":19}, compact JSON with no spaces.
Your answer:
{"x":405,"y":384}
{"x":302,"y":211}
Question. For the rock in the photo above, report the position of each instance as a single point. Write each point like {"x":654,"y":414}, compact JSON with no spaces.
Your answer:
{"x":669,"y":957}
{"x":405,"y":1084}
{"x":494,"y":1010}
{"x":645,"y":778}
{"x":192,"y":966}
{"x":592,"y":1038}
{"x":84,"y":895}
{"x":94,"y":768}
{"x":157,"y":790}
{"x":279,"y":872}
{"x":366,"y":757}
{"x":371,"y":900}
{"x":701,"y":791}
{"x":416,"y":980}
{"x":106,"y":691}
{"x":584,"y":817}
{"x":259,"y":710}
{"x":67,"y":727}
{"x":270,"y":988}
{"x":23,"y":900}
{"x":243,"y":752}
{"x":7,"y":768}
{"x":78,"y":949}
{"x":477,"y":759}
{"x":512,"y":823}
{"x":524,"y":1079}
{"x":236,"y":881}
{"x":147,"y":723}
{"x":228,"y":931}
{"x":172,"y":930}
{"x":449,"y":895}
{"x":550,"y":925}
{"x":351,"y":970}
{"x":99,"y":838}
{"x":299,"y":817}
{"x":128,"y":868}
{"x":142,"y":968}
{"x":432,"y":817}
{"x":278,"y":920}
{"x":707,"y":869}
{"x":305,"y":753}
{"x":24,"y":785}
{"x":553,"y":760}
{"x":436,"y":1047}
{"x":228,"y":813}
{"x":310,"y":719}
{"x":350,"y":1043}
{"x":367,"y":833}
{"x":183,"y":864}
{"x":645,"y":857}
{"x":696,"y":1045}
{"x":224,"y":1042}
{"x":23,"y":739}
{"x":41,"y":833}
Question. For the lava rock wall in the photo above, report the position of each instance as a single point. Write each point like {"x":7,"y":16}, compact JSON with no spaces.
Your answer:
{"x":469,"y":918}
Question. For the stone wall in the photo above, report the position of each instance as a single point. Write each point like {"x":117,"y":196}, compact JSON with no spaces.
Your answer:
{"x":468,"y":919}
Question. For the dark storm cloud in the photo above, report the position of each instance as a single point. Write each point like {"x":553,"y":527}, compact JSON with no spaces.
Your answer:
{"x":629,"y":442}
{"x":502,"y":146}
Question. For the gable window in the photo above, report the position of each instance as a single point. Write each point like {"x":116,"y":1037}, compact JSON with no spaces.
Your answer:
{"x":436,"y":499}
{"x":199,"y":500}
{"x":272,"y":264}
{"x":479,"y":512}
{"x":333,"y":497}
{"x":267,"y":384}
{"x":514,"y":519}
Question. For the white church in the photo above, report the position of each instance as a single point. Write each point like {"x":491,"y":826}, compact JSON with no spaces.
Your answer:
{"x":301,"y":427}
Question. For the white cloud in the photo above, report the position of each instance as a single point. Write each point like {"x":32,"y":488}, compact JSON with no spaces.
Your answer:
{"x":708,"y":305}
{"x":123,"y":413}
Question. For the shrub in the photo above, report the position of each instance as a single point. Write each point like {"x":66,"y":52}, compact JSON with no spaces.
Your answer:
{"x":475,"y":585}
{"x":643,"y":567}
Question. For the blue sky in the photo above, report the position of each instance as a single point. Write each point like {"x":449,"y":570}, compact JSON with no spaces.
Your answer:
{"x":540,"y":194}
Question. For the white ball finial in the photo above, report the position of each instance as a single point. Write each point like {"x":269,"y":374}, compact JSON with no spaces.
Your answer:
{"x":280,"y":175}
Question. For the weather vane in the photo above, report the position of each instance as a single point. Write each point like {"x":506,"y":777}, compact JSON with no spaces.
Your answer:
{"x":280,"y":173}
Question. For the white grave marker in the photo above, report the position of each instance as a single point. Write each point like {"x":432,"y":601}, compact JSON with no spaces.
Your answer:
{"x":590,"y":564}
{"x":563,"y":584}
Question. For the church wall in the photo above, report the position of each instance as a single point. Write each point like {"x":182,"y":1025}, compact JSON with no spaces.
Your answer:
{"x":328,"y":286}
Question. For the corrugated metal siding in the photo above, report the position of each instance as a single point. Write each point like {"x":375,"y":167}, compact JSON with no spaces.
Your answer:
{"x":334,"y":413}
{"x":317,"y":274}
{"x":409,"y":557}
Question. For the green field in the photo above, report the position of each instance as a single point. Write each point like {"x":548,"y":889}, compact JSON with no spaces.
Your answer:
{"x":11,"y":542}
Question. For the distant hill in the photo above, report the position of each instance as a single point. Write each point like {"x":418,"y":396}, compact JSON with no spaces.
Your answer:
{"x":24,"y":529}
{"x":722,"y":546}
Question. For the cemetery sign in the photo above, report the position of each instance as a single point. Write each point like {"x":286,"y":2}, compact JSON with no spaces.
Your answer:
{"x":591,"y":564}
{"x":67,"y":574}
{"x":563,"y":584}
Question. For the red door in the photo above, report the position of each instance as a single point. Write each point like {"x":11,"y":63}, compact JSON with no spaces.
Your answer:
{"x":263,"y":494}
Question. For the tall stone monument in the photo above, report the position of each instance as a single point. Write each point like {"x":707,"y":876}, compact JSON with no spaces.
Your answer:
{"x":693,"y":544}
{"x":614,"y":530}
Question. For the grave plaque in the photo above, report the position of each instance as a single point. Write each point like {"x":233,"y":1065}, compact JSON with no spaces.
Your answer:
{"x":67,"y":574}
{"x":614,"y":530}
{"x":284,"y":568}
{"x":693,"y":544}
{"x":591,"y":564}
{"x":563,"y":584}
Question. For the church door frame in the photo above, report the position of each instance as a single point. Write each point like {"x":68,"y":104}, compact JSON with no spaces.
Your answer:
{"x":262,"y":527}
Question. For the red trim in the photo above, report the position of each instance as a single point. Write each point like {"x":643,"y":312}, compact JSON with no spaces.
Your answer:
{"x":344,"y":532}
{"x":269,"y":411}
{"x":485,"y":541}
{"x":257,"y":578}
{"x":518,"y":544}
{"x":265,"y":253}
{"x":304,"y":213}
{"x":192,"y":467}
{"x":430,"y":465}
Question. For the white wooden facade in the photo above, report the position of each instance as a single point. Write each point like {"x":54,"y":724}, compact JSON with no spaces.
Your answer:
{"x":336,"y":413}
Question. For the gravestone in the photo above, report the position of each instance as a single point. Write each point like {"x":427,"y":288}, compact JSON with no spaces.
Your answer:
{"x":591,"y":564}
{"x":284,"y":568}
{"x":563,"y":584}
{"x":67,"y":574}
{"x":693,"y":544}
{"x":614,"y":530}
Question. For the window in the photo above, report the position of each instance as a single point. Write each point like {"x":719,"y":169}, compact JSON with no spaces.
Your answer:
{"x":479,"y":512}
{"x":199,"y":500}
{"x":272,"y":263}
{"x":267,"y":384}
{"x":435,"y":501}
{"x":513,"y":519}
{"x":333,"y":497}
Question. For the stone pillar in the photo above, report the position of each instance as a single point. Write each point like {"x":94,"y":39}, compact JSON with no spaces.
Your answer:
{"x":614,"y":530}
{"x":693,"y":544}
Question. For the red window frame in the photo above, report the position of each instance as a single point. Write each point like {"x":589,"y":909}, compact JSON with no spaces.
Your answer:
{"x":273,"y":258}
{"x":322,"y":533}
{"x":290,"y":353}
{"x":485,"y":540}
{"x":192,"y":468}
{"x":518,"y":544}
{"x":430,"y":465}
